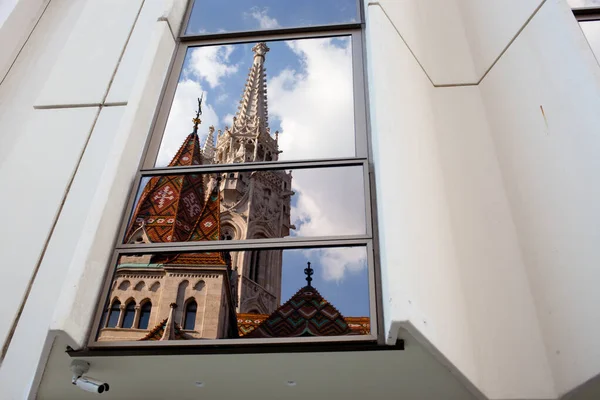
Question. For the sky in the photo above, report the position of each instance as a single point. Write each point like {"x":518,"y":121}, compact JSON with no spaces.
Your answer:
{"x":310,"y":100}
{"x":211,"y":16}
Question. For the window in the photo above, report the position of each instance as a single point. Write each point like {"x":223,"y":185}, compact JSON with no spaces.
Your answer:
{"x":265,"y":195}
{"x":129,"y":315}
{"x":113,"y":314}
{"x":145,"y":311}
{"x":189,"y":319}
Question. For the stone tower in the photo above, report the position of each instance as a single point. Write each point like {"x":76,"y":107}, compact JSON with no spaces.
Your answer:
{"x":254,"y":205}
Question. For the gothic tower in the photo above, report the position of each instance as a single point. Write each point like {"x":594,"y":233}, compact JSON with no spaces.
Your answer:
{"x":254,"y":205}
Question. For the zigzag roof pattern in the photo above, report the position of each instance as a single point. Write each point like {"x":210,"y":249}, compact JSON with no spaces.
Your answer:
{"x":306,"y":313}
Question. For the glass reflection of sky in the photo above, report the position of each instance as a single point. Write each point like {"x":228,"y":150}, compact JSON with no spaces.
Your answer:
{"x":309,"y":91}
{"x":212,"y":16}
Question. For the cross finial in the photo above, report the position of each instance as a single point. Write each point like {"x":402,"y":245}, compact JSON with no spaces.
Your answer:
{"x":196,"y":120}
{"x":309,"y":272}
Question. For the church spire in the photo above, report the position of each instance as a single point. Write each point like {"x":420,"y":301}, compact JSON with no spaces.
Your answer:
{"x":208,"y":149}
{"x":252,"y":112}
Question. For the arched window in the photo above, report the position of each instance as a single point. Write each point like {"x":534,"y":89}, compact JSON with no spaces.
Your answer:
{"x":189,"y":320}
{"x":113,"y":314}
{"x":129,"y":315}
{"x":139,"y":286}
{"x":145,"y":315}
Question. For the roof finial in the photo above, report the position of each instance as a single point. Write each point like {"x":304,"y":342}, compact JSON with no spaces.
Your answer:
{"x":308,"y":271}
{"x":196,"y":120}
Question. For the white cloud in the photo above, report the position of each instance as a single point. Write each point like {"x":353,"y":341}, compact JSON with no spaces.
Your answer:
{"x":337,"y":262}
{"x":314,"y":106}
{"x":264,"y":21}
{"x":180,"y":124}
{"x":211,"y":63}
{"x":227,"y":120}
{"x":221,"y":98}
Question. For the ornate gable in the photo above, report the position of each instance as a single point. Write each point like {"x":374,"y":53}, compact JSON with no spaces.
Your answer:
{"x":170,"y":206}
{"x":306,"y":313}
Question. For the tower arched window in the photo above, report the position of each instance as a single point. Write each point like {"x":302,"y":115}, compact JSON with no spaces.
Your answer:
{"x":189,"y":318}
{"x":113,"y":314}
{"x":145,"y":315}
{"x":129,"y":315}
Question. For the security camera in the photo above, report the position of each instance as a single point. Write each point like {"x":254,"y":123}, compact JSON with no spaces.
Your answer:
{"x":80,"y":367}
{"x":91,"y":385}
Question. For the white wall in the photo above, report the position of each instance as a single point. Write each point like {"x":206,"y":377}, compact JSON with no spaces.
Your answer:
{"x":71,"y":160}
{"x":475,"y":191}
{"x":550,"y":166}
{"x":420,"y":273}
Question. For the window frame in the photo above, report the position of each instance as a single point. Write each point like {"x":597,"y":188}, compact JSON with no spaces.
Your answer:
{"x":362,"y":157}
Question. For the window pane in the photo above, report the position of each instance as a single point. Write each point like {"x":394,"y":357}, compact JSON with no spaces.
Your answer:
{"x":591,"y":29}
{"x":249,"y":291}
{"x":145,"y":315}
{"x":129,"y":315}
{"x":113,"y":317}
{"x":212,"y":16}
{"x":249,"y":205}
{"x":190,"y":316}
{"x":583,"y":3}
{"x":308,"y":113}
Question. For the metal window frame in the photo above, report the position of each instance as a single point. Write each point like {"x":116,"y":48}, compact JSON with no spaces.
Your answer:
{"x":586,"y":14}
{"x":362,"y":157}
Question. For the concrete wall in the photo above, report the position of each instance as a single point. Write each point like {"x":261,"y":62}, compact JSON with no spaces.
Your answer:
{"x":487,"y":207}
{"x":68,"y":124}
{"x":542,"y":101}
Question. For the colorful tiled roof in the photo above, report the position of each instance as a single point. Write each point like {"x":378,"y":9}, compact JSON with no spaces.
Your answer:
{"x":248,"y":322}
{"x":173,"y":208}
{"x":359,"y":325}
{"x":306,"y":313}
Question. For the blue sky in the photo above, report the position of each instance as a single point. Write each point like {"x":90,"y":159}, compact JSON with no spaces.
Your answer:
{"x":212,"y":16}
{"x":349,"y":295}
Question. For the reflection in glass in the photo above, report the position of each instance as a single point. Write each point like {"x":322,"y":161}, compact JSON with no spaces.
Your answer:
{"x":190,"y":315}
{"x":212,"y":16}
{"x":249,"y":205}
{"x":308,"y":114}
{"x":243,"y":294}
{"x":129,"y":315}
{"x":113,"y":314}
{"x":145,"y":315}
